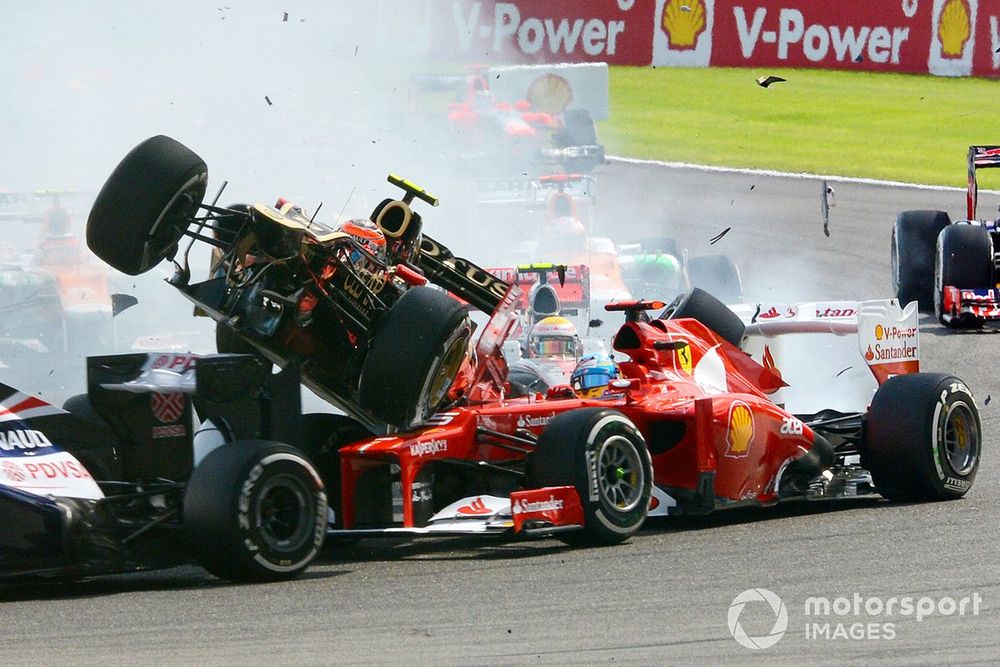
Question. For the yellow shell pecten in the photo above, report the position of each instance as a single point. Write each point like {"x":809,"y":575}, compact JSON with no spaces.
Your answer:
{"x":683,"y":21}
{"x":740,"y":429}
{"x":954,"y":28}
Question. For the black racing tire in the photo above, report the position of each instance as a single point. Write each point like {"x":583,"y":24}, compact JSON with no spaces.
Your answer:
{"x":255,"y":510}
{"x":603,"y":456}
{"x":146,"y":205}
{"x":578,"y":129}
{"x":912,"y":255}
{"x":702,"y":306}
{"x":322,"y":437}
{"x":80,"y":406}
{"x":923,"y":438}
{"x":417,"y":352}
{"x":964,"y":259}
{"x":100,"y":461}
{"x":718,"y":275}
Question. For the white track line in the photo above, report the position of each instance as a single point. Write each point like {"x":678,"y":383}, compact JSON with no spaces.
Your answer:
{"x":785,"y":174}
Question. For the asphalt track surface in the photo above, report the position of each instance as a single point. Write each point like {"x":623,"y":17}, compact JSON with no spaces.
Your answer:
{"x":661,"y":598}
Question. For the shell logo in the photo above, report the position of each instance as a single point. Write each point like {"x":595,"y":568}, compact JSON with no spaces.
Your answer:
{"x":954,"y":28}
{"x":879,"y":332}
{"x":740,"y":435}
{"x":683,"y":21}
{"x":550,"y":93}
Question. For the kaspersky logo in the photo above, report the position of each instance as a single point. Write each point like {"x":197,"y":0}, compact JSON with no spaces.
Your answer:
{"x":683,"y":21}
{"x":954,"y":28}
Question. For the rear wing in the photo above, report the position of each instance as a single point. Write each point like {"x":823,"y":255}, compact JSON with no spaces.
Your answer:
{"x":980,"y":157}
{"x":571,"y":284}
{"x":537,"y":193}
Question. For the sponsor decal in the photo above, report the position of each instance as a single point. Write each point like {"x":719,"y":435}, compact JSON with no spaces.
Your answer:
{"x":441,"y":418}
{"x":952,"y":37}
{"x":44,"y":470}
{"x":534,"y":422}
{"x":957,"y":484}
{"x":741,"y":430}
{"x":683,"y":32}
{"x":175,"y":362}
{"x":170,"y":431}
{"x":23,"y":439}
{"x":683,"y":21}
{"x":684,"y":358}
{"x":791,"y":426}
{"x":881,"y":353}
{"x":476,"y":508}
{"x":167,"y":407}
{"x":428,"y":448}
{"x":836,"y":312}
{"x":553,"y":504}
{"x":894,"y":333}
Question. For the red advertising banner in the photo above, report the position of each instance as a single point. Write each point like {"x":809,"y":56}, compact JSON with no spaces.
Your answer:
{"x":544,"y":31}
{"x":943,"y":37}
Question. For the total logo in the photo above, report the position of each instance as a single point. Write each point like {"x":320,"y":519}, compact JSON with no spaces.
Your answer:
{"x":553,"y":504}
{"x":534,"y":422}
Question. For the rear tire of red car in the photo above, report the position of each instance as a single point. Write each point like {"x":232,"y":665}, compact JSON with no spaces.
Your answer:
{"x":914,"y":237}
{"x":603,"y":456}
{"x":718,"y":275}
{"x":964,"y":259}
{"x":416,"y":354}
{"x":322,"y":437}
{"x":146,"y":204}
{"x":255,"y":510}
{"x":702,"y":306}
{"x":923,"y":438}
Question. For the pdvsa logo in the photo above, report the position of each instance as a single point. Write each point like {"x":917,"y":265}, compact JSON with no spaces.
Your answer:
{"x":683,"y":32}
{"x":953,"y":38}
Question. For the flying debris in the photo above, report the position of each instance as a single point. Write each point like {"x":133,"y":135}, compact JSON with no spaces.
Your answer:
{"x":825,"y":203}
{"x":987,"y":401}
{"x":844,"y":371}
{"x":752,"y":186}
{"x":685,"y":8}
{"x":120,"y":302}
{"x":284,"y":19}
{"x":718,"y":237}
{"x":268,"y":100}
{"x":859,"y":59}
{"x":765,"y":81}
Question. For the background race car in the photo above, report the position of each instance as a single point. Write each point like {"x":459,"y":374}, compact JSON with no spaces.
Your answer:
{"x":950,"y":267}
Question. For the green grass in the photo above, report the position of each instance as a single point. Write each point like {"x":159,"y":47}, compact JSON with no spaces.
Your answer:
{"x":887,"y":126}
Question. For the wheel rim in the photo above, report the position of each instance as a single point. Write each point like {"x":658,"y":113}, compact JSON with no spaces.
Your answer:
{"x":282,"y":511}
{"x":961,"y":438}
{"x":620,"y":473}
{"x":442,"y":379}
{"x":166,"y":231}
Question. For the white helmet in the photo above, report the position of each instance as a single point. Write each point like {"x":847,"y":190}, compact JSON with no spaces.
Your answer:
{"x":554,"y":337}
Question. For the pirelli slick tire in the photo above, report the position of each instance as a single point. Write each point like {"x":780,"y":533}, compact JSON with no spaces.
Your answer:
{"x":964,"y":258}
{"x":255,"y":510}
{"x":322,"y":437}
{"x":146,"y":205}
{"x":923,"y":438}
{"x":416,"y":355}
{"x":702,"y":306}
{"x":603,"y":456}
{"x":912,"y":255}
{"x":718,"y":275}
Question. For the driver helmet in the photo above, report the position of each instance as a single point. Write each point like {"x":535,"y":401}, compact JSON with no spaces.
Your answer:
{"x":593,"y":374}
{"x":367,"y":235}
{"x":554,"y":338}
